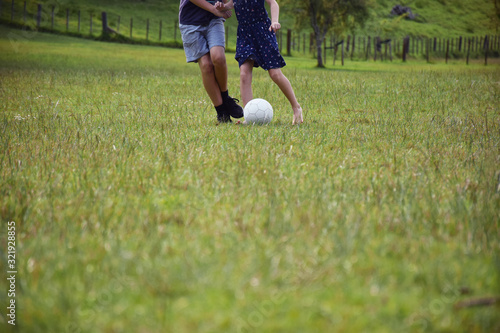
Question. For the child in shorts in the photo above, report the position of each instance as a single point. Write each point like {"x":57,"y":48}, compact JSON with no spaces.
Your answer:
{"x":256,"y":46}
{"x":203,"y":36}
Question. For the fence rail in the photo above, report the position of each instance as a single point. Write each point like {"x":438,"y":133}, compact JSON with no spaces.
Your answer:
{"x":69,"y":20}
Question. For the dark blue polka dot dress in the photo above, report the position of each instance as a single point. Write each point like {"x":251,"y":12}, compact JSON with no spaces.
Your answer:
{"x":254,"y":40}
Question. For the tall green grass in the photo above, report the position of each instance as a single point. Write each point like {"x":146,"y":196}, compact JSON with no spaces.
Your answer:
{"x":135,"y":212}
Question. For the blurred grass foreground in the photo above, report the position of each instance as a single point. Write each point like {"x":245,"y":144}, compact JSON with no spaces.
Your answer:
{"x":135,"y":212}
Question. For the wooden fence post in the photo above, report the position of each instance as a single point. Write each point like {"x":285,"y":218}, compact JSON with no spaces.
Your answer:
{"x":468,"y":50}
{"x":39,"y":15}
{"x":342,"y":53}
{"x":353,"y":45}
{"x":175,"y":29}
{"x":52,"y":17}
{"x":406,"y":46}
{"x":310,"y":42}
{"x":428,"y":46}
{"x":334,"y":49}
{"x":368,"y":47}
{"x":288,"y":42}
{"x":324,"y":50}
{"x":280,"y":33}
{"x":104,"y":18}
{"x":447,"y":49}
{"x":486,"y":47}
{"x":159,"y":37}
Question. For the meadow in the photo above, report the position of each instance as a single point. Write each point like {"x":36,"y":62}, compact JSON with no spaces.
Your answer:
{"x":136,"y":212}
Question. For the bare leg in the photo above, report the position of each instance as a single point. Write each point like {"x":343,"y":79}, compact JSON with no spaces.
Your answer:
{"x":209,"y":81}
{"x":218,"y":58}
{"x":285,"y":86}
{"x":246,"y":82}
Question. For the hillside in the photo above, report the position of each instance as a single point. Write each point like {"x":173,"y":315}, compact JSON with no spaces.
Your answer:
{"x":434,"y":18}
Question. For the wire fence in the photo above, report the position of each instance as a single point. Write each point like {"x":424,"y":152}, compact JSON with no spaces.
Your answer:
{"x":334,"y":48}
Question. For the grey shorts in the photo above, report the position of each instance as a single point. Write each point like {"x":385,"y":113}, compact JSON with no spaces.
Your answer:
{"x":199,"y":39}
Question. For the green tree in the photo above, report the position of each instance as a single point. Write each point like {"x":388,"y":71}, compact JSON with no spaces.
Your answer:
{"x":327,"y":15}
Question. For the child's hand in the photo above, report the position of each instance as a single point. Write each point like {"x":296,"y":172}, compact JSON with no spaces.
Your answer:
{"x":220,"y":6}
{"x":222,"y":10}
{"x":275,"y":26}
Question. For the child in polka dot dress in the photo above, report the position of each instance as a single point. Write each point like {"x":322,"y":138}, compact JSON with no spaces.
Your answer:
{"x":256,"y":46}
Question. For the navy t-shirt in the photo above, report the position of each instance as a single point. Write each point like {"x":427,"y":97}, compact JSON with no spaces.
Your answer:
{"x":191,"y":14}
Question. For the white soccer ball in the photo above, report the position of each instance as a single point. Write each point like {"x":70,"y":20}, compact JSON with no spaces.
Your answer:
{"x":258,"y":111}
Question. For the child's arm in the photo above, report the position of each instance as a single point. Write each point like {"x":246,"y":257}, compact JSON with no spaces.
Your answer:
{"x":275,"y":13}
{"x":210,"y":8}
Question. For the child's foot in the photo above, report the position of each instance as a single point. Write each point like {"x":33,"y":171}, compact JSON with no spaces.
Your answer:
{"x":297,"y":116}
{"x":233,"y":108}
{"x":223,"y":116}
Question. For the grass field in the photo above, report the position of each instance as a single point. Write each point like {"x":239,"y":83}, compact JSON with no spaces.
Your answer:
{"x":135,"y":212}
